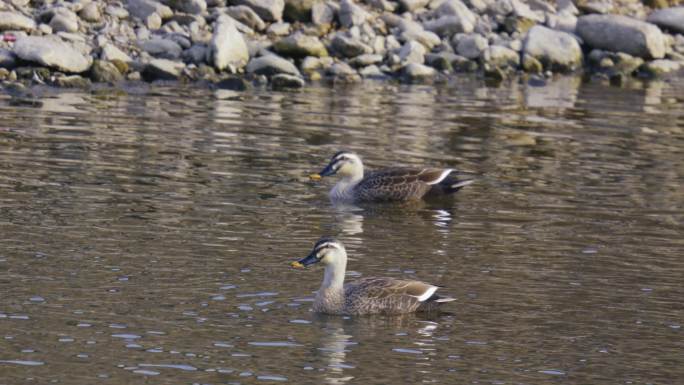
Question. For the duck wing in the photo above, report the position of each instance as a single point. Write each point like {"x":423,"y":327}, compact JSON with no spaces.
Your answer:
{"x":398,"y":184}
{"x":388,"y":295}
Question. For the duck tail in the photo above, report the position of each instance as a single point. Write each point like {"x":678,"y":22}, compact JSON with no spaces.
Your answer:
{"x":456,"y":185}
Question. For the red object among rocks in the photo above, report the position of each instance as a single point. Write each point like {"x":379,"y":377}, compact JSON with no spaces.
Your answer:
{"x":9,"y":37}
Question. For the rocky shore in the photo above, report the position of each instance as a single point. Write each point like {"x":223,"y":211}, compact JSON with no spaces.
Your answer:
{"x":287,"y":43}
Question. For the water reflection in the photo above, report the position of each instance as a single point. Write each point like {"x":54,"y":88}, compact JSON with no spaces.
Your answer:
{"x":152,"y":229}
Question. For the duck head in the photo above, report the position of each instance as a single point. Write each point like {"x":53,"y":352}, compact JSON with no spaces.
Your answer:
{"x":327,"y":251}
{"x":344,"y":163}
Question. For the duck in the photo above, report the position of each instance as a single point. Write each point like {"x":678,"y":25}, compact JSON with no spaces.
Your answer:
{"x":370,"y":295}
{"x":388,"y":185}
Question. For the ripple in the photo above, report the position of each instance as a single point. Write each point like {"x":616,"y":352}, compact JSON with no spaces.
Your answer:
{"x":126,"y":336}
{"x":187,"y":368}
{"x":271,"y":378}
{"x":553,"y":372}
{"x":260,"y":294}
{"x":146,"y":372}
{"x":279,"y":344}
{"x":408,"y":351}
{"x":22,"y":362}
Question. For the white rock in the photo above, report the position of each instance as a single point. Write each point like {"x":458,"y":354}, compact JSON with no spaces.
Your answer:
{"x":418,"y":72}
{"x":163,"y":69}
{"x":501,"y":57}
{"x":228,"y":47}
{"x":270,"y":65}
{"x":51,"y":52}
{"x":662,"y":66}
{"x":64,"y":20}
{"x":412,"y":52}
{"x":15,"y":21}
{"x":371,"y":71}
{"x":471,"y":46}
{"x":669,"y":18}
{"x":90,"y":13}
{"x":111,"y":52}
{"x":622,"y":34}
{"x":554,"y":49}
{"x":351,"y":14}
{"x":118,"y":12}
{"x":426,"y":38}
{"x":279,"y":29}
{"x":268,"y":10}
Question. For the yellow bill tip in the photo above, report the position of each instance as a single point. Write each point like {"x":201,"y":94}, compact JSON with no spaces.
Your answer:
{"x":315,"y":176}
{"x":297,"y":265}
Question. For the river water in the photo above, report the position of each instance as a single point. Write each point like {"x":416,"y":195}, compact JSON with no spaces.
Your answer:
{"x":146,"y":236}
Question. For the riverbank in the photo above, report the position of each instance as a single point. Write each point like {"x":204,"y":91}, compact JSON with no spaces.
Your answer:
{"x":287,"y":43}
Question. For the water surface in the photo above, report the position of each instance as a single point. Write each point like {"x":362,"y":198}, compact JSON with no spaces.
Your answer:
{"x":146,"y":235}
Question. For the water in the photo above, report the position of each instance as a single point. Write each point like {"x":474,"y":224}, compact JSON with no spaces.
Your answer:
{"x":149,"y":235}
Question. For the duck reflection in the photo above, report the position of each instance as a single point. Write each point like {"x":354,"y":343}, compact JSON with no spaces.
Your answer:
{"x":345,"y":341}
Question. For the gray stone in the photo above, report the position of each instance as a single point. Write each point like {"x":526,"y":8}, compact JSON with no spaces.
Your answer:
{"x":193,"y":7}
{"x":661,"y":67}
{"x":471,"y":46}
{"x":351,"y":14}
{"x":299,"y":45}
{"x":346,"y":46}
{"x":163,"y":69}
{"x":283,"y":81}
{"x":73,"y":81}
{"x":415,"y":72}
{"x":372,"y":71}
{"x":279,"y":29}
{"x":247,"y":16}
{"x":412,"y":52}
{"x":7,"y":59}
{"x":446,"y":26}
{"x":111,"y":52}
{"x":144,"y":8}
{"x":64,"y":21}
{"x":412,"y":5}
{"x":426,"y":38}
{"x":342,"y":72}
{"x":556,"y":50}
{"x":669,"y":18}
{"x":51,"y":52}
{"x":366,"y":60}
{"x":268,"y":10}
{"x":196,"y":54}
{"x":228,"y":47}
{"x":599,"y":6}
{"x":500,"y":57}
{"x":11,"y":21}
{"x":298,"y":10}
{"x":90,"y":13}
{"x":562,"y":22}
{"x":623,"y":34}
{"x":115,"y":11}
{"x":451,"y":16}
{"x":270,"y":65}
{"x":104,"y":72}
{"x":323,"y":13}
{"x":162,"y":48}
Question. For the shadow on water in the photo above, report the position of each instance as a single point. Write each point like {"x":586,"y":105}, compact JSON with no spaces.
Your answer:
{"x":146,"y":235}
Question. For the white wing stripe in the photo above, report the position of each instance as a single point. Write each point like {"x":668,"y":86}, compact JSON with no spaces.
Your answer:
{"x":442,"y":176}
{"x":428,"y":293}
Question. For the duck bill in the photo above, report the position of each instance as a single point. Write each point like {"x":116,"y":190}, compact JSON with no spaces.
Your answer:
{"x":304,"y":262}
{"x":328,"y":170}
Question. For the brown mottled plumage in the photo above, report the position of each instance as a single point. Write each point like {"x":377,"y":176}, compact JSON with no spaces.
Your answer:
{"x":373,"y":295}
{"x":397,"y":185}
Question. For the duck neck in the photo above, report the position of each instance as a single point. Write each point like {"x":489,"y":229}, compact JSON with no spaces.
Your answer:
{"x":330,"y":297}
{"x":333,"y":279}
{"x":343,"y":188}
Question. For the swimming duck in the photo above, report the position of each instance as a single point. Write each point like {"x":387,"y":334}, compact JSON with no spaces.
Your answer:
{"x":397,"y":184}
{"x":372,"y":295}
